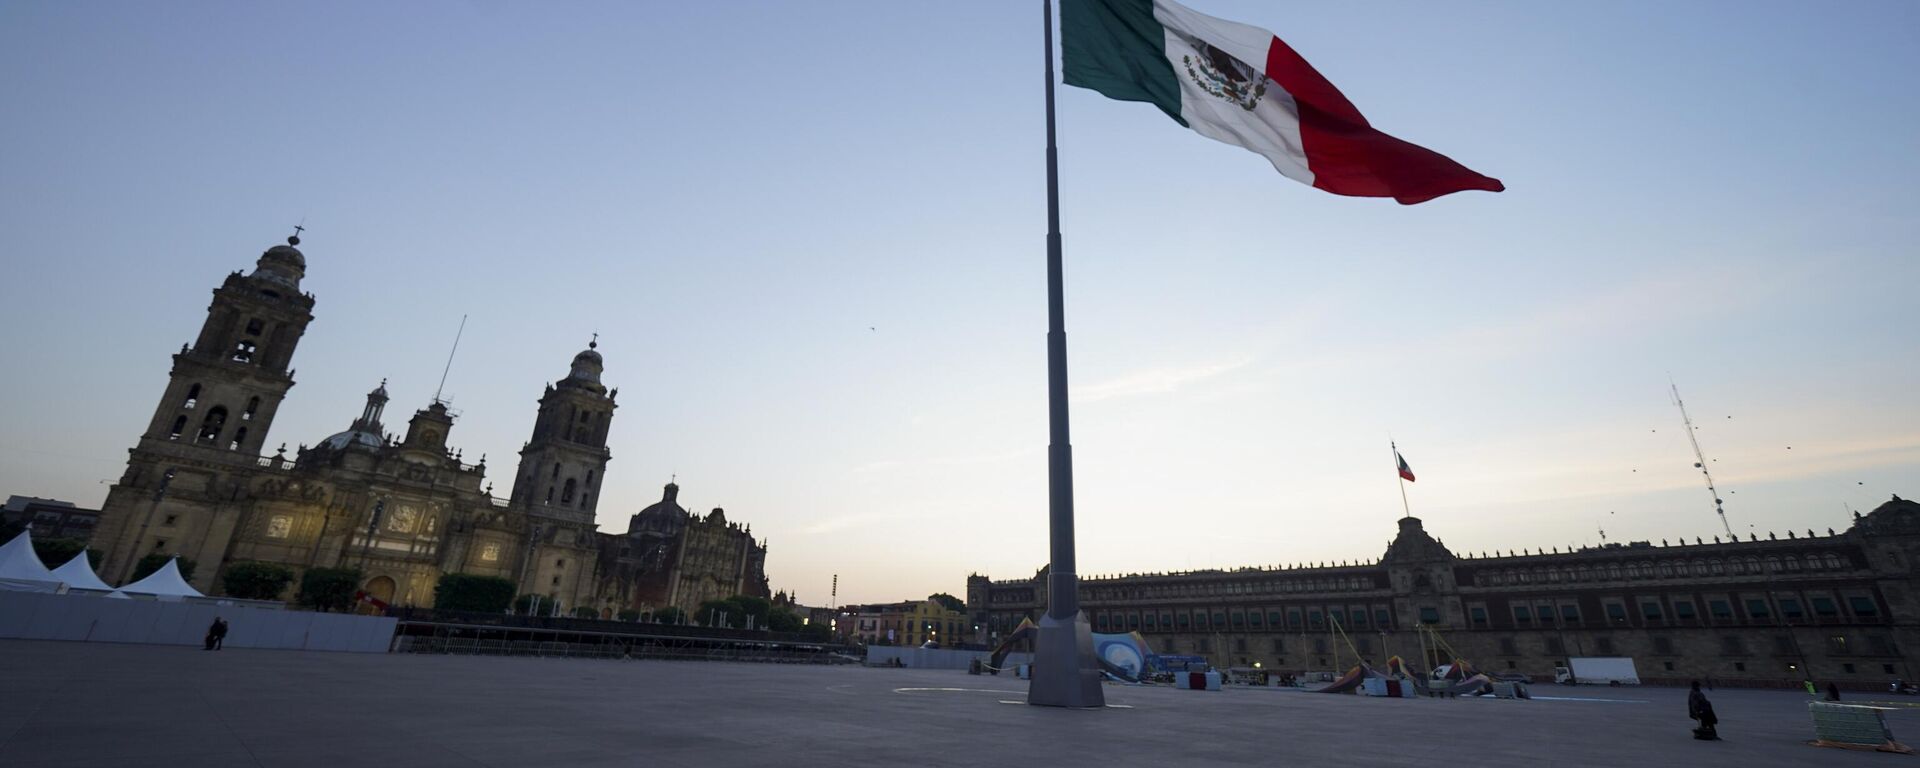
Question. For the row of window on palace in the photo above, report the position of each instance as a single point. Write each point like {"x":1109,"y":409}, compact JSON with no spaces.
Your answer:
{"x":1665,"y":569}
{"x":1549,"y":645}
{"x":1654,"y":610}
{"x":1292,"y":618}
{"x":1543,"y":613}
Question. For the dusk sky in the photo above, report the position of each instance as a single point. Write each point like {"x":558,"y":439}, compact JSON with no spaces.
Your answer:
{"x":811,"y":238}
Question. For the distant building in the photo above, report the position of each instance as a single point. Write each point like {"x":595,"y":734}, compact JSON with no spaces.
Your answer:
{"x":1840,"y":606}
{"x":672,"y":557}
{"x":909,"y":623}
{"x":51,"y":518}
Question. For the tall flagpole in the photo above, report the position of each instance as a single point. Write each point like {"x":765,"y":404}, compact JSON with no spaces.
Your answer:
{"x":1403,"y":478}
{"x":1065,"y":673}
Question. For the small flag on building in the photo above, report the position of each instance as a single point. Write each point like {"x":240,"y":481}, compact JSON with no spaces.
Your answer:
{"x":1241,"y":85}
{"x":1406,"y":472}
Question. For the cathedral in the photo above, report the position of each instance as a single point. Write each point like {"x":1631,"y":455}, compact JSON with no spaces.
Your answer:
{"x":401,"y":510}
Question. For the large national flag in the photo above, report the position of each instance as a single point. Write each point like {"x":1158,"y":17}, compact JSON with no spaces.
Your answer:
{"x":1405,"y":471}
{"x":1242,"y":85}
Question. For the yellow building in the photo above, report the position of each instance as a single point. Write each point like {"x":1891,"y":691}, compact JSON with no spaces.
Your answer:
{"x":910,"y":623}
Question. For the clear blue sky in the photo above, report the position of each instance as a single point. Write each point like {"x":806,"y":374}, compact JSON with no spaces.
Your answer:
{"x":733,"y":194}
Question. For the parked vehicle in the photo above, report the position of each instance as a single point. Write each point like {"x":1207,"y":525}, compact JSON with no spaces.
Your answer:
{"x":1597,"y":670}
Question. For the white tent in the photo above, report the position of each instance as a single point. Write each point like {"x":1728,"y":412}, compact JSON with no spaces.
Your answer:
{"x":165,"y":584}
{"x":21,"y":569}
{"x":78,"y":574}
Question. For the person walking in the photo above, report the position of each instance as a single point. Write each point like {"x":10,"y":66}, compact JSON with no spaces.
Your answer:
{"x":217,"y":635}
{"x":1701,"y":710}
{"x":210,"y":629}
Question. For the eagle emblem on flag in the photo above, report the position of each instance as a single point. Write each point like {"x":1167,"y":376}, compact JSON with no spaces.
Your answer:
{"x":1225,"y":77}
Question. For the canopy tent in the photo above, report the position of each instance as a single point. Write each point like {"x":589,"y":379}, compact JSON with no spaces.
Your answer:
{"x":78,"y":574}
{"x":165,"y":584}
{"x":21,"y":569}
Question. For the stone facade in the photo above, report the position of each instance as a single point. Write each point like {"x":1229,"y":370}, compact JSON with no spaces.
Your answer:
{"x":670,"y":557}
{"x":403,"y":511}
{"x":1838,"y":606}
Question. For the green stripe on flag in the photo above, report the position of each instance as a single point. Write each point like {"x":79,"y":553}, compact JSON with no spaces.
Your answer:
{"x":1118,"y":48}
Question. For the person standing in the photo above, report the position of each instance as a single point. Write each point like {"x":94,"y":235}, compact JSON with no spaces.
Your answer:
{"x":217,"y":636}
{"x":1833,"y":692}
{"x":1701,"y":710}
{"x":211,"y":628}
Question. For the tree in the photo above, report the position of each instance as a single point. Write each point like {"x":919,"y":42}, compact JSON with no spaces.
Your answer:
{"x":718,"y":613}
{"x":56,"y":552}
{"x":952,"y":603}
{"x":533,"y":604}
{"x":256,"y":581}
{"x":783,"y":620}
{"x":819,"y":633}
{"x":155,"y":561}
{"x":10,"y":529}
{"x":669,"y":615}
{"x":328,"y":589}
{"x":585,"y":612}
{"x":470,"y":592}
{"x":629,"y":614}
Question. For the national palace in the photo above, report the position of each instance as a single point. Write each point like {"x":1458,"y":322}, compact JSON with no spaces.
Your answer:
{"x":1836,"y":606}
{"x":403,"y":510}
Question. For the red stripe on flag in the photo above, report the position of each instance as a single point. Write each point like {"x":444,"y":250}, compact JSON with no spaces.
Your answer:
{"x":1348,"y":156}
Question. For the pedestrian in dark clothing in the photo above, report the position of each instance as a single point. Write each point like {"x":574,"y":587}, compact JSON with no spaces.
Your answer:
{"x":216,"y":634}
{"x":1833,"y":692}
{"x":1701,"y":710}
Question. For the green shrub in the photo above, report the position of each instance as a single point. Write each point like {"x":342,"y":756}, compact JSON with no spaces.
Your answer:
{"x":328,"y":589}
{"x":256,"y":581}
{"x":470,"y":592}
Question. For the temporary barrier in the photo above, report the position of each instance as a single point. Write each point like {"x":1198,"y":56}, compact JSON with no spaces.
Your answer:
{"x":96,"y":618}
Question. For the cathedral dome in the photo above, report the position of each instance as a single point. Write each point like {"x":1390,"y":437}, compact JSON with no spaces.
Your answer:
{"x":587,"y":365}
{"x":352,"y":437}
{"x":287,"y":254}
{"x":282,"y":264}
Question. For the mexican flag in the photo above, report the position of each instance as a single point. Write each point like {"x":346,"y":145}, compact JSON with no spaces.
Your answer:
{"x":1242,"y":85}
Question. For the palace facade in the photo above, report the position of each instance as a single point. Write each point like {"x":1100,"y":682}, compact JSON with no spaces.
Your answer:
{"x":1838,"y":606}
{"x":401,"y":510}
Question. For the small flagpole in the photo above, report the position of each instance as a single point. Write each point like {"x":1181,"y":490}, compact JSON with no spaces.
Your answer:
{"x":1401,"y":477}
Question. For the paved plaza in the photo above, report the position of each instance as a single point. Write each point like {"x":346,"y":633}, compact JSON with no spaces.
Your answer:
{"x":76,"y":704}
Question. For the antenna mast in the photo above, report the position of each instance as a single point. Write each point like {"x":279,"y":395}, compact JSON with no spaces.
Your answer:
{"x":1699,"y":458}
{"x":444,"y":371}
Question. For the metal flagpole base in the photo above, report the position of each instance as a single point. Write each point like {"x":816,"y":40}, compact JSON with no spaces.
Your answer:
{"x":1065,"y":671}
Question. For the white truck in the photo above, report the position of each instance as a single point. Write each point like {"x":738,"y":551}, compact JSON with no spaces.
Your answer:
{"x":1597,"y":670}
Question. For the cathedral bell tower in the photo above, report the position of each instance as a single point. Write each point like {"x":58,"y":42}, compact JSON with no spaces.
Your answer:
{"x":225,"y":388}
{"x":201,"y":449}
{"x":562,"y":466}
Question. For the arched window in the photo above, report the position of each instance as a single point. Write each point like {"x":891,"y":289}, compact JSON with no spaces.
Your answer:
{"x":255,"y":326}
{"x":1833,"y":561}
{"x":566,"y":496}
{"x":179,"y":425}
{"x":1613,"y":572}
{"x":1793,"y":564}
{"x":556,"y":469}
{"x":239,"y":437}
{"x":549,"y":494}
{"x":585,"y":496}
{"x":589,"y":478}
{"x":243,"y":352}
{"x":1718,"y":568}
{"x":1699,"y":567}
{"x":211,"y":425}
{"x":193,"y":396}
{"x":253,"y":406}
